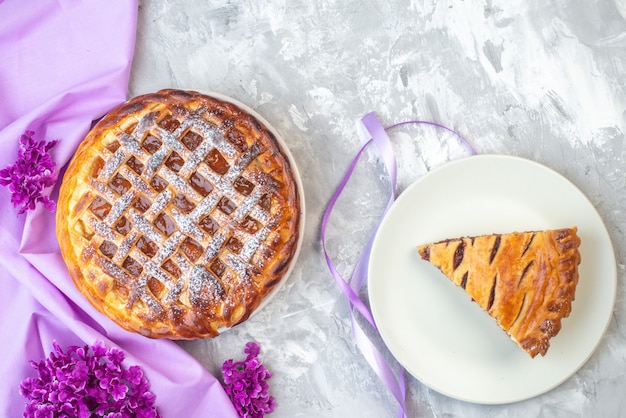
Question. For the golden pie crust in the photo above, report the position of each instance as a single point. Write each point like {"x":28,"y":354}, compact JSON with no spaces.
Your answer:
{"x":178,"y":214}
{"x":526,"y":281}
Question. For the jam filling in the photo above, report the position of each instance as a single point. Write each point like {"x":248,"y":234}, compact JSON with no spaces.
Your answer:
{"x":169,"y":123}
{"x":184,"y":204}
{"x":234,"y":245}
{"x":158,"y":183}
{"x":151,"y":144}
{"x":171,"y":268}
{"x":226,"y":205}
{"x":217,"y":162}
{"x":191,"y":140}
{"x":123,"y":226}
{"x":132,"y":266}
{"x":147,"y":247}
{"x":142,"y":203}
{"x":119,"y":184}
{"x":135,"y":165}
{"x":165,"y":224}
{"x":108,"y":249}
{"x":191,"y":249}
{"x":494,"y":249}
{"x":458,"y":255}
{"x":209,"y":225}
{"x":492,"y":294}
{"x":243,"y":186}
{"x":200,"y":184}
{"x":175,"y":162}
{"x":100,"y":207}
{"x":218,"y":267}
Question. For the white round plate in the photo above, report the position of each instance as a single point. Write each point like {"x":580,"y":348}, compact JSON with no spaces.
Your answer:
{"x":434,"y":329}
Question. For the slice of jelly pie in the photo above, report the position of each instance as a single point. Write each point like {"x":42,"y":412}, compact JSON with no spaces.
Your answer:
{"x":526,"y":281}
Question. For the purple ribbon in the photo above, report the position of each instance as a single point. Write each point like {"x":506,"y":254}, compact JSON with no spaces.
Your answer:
{"x":378,"y":136}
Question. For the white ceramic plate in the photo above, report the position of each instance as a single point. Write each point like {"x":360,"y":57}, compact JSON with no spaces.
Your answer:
{"x":432,"y":327}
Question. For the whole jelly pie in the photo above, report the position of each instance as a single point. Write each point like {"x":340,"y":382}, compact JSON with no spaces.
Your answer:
{"x":178,"y":214}
{"x":526,"y":281}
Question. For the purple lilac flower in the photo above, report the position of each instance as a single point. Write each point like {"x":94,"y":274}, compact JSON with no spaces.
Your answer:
{"x":30,"y":174}
{"x":245,"y":382}
{"x":87,"y":382}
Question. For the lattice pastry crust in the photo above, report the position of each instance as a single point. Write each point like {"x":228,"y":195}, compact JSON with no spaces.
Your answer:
{"x":526,"y":281}
{"x":178,"y":214}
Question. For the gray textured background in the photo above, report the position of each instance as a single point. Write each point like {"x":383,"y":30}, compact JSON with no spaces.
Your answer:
{"x":543,"y":80}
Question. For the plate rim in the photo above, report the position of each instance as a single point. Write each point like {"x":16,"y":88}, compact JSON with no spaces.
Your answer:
{"x":612,"y":280}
